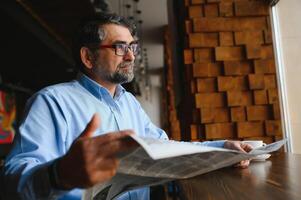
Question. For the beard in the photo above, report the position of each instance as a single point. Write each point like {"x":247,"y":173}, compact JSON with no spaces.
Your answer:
{"x":124,"y":73}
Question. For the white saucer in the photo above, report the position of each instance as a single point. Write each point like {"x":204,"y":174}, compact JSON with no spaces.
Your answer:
{"x":262,"y":157}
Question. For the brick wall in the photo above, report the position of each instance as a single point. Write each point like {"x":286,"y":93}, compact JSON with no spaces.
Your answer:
{"x":230,"y":66}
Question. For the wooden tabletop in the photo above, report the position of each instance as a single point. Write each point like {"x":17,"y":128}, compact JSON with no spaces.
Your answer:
{"x":279,"y":177}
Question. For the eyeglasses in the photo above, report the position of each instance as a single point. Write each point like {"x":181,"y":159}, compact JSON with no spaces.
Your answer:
{"x":122,"y":49}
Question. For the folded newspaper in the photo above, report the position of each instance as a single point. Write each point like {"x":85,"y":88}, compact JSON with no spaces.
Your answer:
{"x":159,"y":161}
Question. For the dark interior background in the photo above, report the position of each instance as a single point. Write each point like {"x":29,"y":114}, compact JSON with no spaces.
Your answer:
{"x":35,"y":46}
{"x":35,"y":41}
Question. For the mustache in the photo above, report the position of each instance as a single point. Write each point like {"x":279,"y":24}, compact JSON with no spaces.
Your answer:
{"x":126,"y":63}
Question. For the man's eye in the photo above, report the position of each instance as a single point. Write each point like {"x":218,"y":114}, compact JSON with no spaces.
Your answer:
{"x":120,"y":46}
{"x":134,"y":46}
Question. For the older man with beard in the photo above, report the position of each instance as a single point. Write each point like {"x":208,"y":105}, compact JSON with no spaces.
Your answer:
{"x":54,"y":154}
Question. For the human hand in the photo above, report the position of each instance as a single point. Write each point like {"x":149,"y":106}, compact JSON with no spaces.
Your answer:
{"x":239,"y":146}
{"x":92,"y":160}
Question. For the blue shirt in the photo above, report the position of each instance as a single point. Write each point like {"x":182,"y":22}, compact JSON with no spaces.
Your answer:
{"x":54,"y":118}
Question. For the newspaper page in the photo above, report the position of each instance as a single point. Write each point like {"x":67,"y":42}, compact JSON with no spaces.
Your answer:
{"x":159,"y":161}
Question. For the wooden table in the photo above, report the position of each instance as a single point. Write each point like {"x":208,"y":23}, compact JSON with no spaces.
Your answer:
{"x":279,"y":177}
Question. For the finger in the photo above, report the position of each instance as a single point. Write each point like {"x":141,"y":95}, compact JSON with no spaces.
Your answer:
{"x":243,"y":164}
{"x":113,"y":136}
{"x":247,"y":147}
{"x":91,"y":126}
{"x":118,"y":146}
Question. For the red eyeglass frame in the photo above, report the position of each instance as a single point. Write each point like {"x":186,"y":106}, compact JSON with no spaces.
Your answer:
{"x":113,"y":46}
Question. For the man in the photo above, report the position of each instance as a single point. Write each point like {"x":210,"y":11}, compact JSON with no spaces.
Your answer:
{"x":55,"y":154}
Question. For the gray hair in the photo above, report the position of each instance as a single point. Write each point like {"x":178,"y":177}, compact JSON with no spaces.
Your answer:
{"x":91,"y":33}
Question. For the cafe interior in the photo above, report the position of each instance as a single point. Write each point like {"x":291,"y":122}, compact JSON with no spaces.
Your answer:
{"x":206,"y":70}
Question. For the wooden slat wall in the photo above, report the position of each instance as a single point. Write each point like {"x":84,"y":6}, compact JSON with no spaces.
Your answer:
{"x":173,"y":127}
{"x":229,"y":53}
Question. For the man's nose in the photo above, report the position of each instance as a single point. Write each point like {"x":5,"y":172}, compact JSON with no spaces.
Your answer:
{"x":129,"y":56}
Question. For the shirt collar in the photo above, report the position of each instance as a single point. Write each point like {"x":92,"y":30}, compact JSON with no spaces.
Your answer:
{"x":98,"y":90}
{"x":119,"y":92}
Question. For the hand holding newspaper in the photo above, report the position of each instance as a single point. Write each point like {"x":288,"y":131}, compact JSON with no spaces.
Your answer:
{"x":158,"y":161}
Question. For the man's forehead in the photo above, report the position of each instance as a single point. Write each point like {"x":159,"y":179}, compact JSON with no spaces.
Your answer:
{"x":114,"y":32}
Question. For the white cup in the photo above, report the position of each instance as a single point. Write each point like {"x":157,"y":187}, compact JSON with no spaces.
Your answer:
{"x":254,"y":143}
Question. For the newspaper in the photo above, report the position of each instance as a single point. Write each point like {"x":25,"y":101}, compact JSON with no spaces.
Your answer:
{"x":159,"y":161}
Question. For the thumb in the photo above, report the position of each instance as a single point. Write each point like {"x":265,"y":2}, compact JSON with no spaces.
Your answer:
{"x":91,"y":126}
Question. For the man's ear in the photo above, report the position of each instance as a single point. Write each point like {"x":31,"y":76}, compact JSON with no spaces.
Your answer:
{"x":86,"y":57}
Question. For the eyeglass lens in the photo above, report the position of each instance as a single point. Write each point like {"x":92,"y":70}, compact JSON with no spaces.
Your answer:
{"x":122,"y":49}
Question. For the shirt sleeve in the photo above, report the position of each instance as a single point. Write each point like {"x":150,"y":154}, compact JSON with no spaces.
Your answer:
{"x":40,"y":140}
{"x":217,"y":143}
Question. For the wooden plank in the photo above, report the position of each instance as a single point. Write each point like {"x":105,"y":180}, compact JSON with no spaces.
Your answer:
{"x":267,"y":52}
{"x":277,"y":138}
{"x":265,"y":139}
{"x":276,"y":110}
{"x":257,"y":113}
{"x":204,"y":55}
{"x":173,"y":116}
{"x":188,"y":72}
{"x":219,"y":131}
{"x":195,"y":11}
{"x":269,"y":22}
{"x":188,"y":26}
{"x":247,"y":37}
{"x":270,"y":81}
{"x":226,"y":9}
{"x":237,"y":67}
{"x":193,"y":87}
{"x":256,"y":81}
{"x":195,"y":115}
{"x":213,"y":1}
{"x":253,"y":51}
{"x":251,"y":8}
{"x":266,"y":66}
{"x":273,"y":96}
{"x":229,"y":53}
{"x":260,"y":97}
{"x":273,"y":128}
{"x":226,"y":39}
{"x":186,"y":3}
{"x":239,"y":98}
{"x":226,"y":83}
{"x":206,"y":85}
{"x":188,"y":59}
{"x":238,"y":114}
{"x":214,"y":115}
{"x":211,"y":10}
{"x":249,"y":129}
{"x":205,"y":100}
{"x":207,"y":69}
{"x":268,"y":38}
{"x":198,"y":1}
{"x":203,"y":39}
{"x":219,"y":24}
{"x":194,"y":133}
{"x":175,"y":131}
